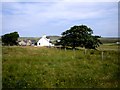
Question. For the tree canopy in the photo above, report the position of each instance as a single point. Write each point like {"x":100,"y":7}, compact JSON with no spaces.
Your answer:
{"x":79,"y":36}
{"x":10,"y":39}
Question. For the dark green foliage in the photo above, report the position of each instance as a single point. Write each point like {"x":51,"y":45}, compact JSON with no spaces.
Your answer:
{"x":92,"y":42}
{"x":10,"y":39}
{"x":79,"y":36}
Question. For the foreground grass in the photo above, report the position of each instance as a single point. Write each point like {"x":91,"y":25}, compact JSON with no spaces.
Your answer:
{"x":33,"y":67}
{"x":0,"y":67}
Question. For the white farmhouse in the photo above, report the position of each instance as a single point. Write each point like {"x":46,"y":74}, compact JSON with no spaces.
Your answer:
{"x":44,"y":42}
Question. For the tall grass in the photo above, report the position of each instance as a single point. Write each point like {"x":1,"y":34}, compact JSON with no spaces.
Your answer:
{"x":0,"y":67}
{"x":34,"y":67}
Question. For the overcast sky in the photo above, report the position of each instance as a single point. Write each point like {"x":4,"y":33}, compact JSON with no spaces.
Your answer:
{"x":52,"y":17}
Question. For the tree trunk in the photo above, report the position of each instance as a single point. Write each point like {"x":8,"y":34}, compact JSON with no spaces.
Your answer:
{"x":73,"y":47}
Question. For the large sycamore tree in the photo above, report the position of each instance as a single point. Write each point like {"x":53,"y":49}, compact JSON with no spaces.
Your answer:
{"x":10,"y":38}
{"x":80,"y":36}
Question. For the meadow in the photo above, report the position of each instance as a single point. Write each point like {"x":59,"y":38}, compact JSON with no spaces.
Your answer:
{"x":35,"y":67}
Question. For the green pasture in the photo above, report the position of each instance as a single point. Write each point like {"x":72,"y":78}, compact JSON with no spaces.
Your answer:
{"x":40,"y":67}
{"x":109,"y":47}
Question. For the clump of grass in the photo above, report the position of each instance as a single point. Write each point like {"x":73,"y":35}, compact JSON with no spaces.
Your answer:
{"x":31,"y":67}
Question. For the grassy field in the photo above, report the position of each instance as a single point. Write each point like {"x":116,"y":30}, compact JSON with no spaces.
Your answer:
{"x":34,"y":67}
{"x":0,"y":67}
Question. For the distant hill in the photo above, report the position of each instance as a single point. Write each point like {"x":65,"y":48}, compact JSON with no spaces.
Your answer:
{"x":30,"y":38}
{"x":54,"y":38}
{"x":109,"y":39}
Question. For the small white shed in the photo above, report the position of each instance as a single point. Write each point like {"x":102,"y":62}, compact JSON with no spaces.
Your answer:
{"x":117,"y":42}
{"x":22,"y":43}
{"x":44,"y":42}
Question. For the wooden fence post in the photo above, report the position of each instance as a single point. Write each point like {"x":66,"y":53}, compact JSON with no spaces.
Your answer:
{"x":102,"y":55}
{"x":73,"y":56}
{"x":74,"y":52}
{"x":65,"y":48}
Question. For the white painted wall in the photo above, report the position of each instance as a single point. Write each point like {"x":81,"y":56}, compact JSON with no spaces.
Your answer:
{"x":44,"y":42}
